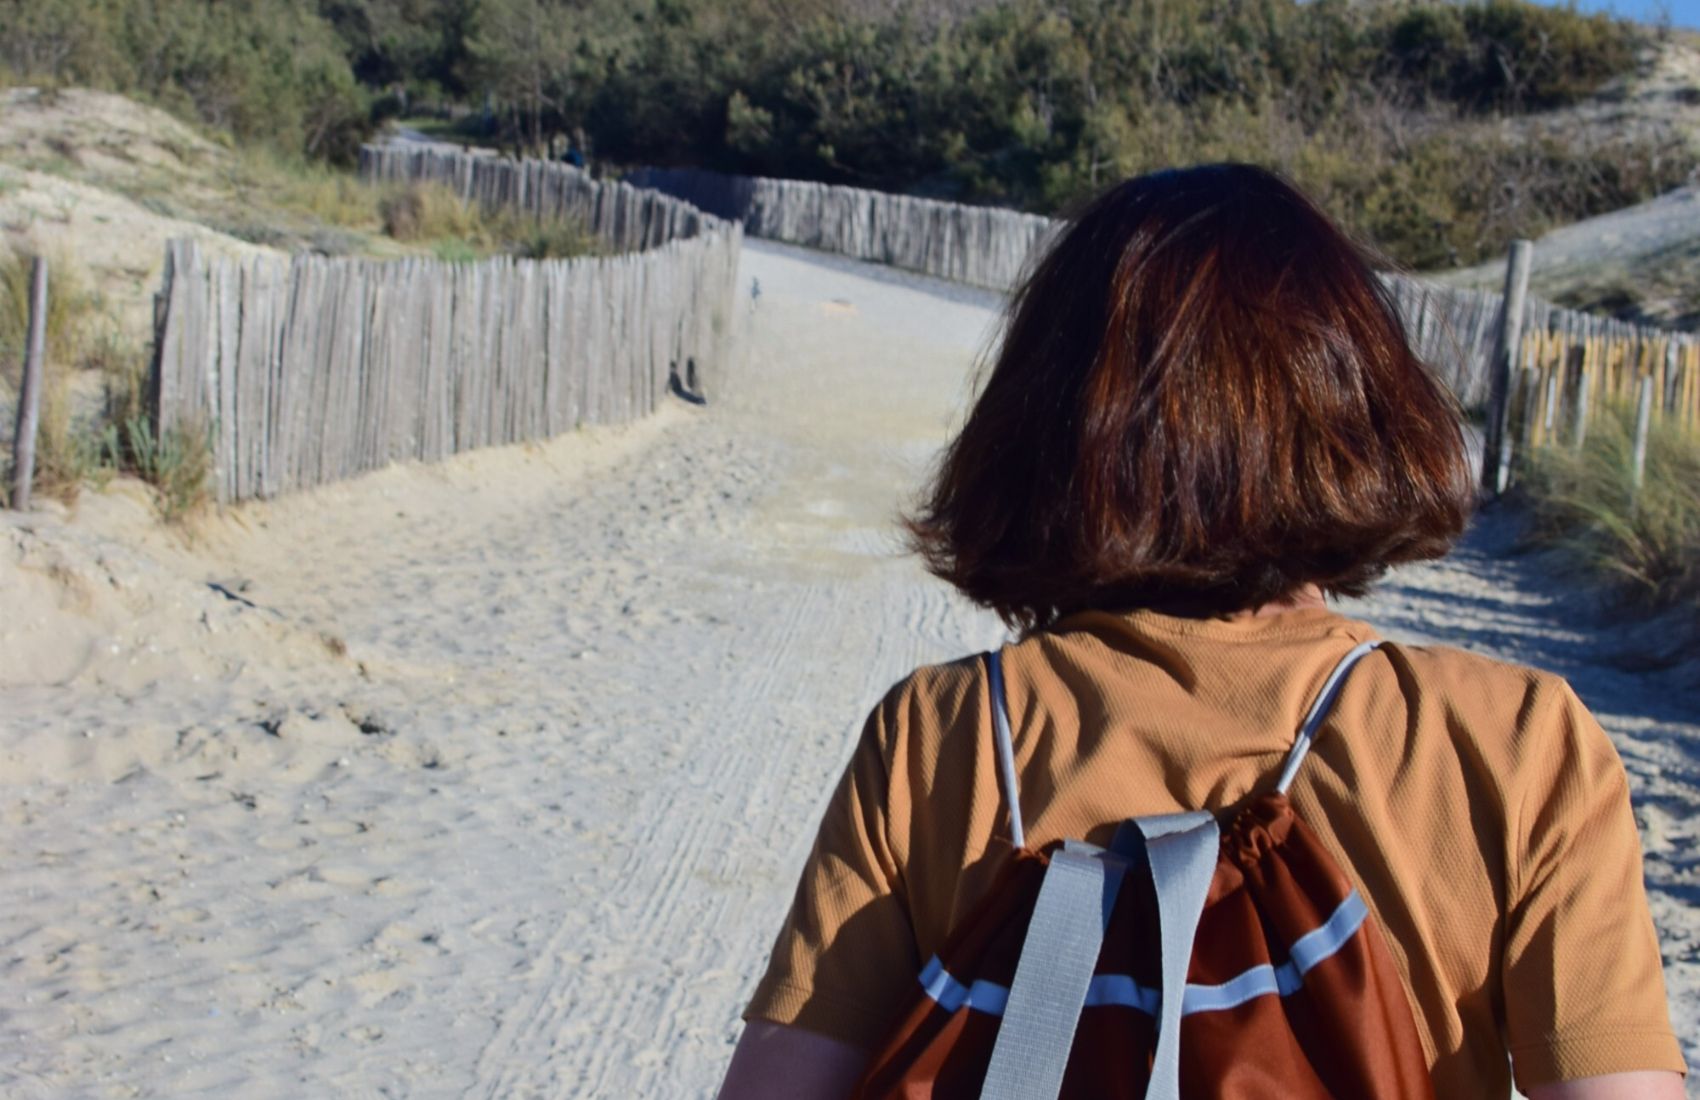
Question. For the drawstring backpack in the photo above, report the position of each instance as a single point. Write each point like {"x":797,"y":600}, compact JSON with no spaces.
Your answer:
{"x":1056,"y":986}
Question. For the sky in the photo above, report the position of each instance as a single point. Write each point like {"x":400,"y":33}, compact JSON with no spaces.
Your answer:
{"x":1683,"y":13}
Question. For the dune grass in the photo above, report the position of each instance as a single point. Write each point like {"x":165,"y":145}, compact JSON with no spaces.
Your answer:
{"x":1585,"y":504}
{"x":117,"y":435}
{"x":431,"y":213}
{"x":64,"y":456}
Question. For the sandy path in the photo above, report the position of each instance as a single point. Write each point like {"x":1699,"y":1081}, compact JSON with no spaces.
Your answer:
{"x":498,"y":788}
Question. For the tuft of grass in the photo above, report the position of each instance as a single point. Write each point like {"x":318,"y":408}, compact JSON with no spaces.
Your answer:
{"x":1585,"y":504}
{"x":548,"y":239}
{"x":423,"y":211}
{"x":456,"y":230}
{"x":455,"y":251}
{"x":70,"y":309}
{"x":177,"y":463}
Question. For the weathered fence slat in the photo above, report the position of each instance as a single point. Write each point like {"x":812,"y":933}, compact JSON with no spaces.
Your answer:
{"x":29,"y":391}
{"x":311,"y":369}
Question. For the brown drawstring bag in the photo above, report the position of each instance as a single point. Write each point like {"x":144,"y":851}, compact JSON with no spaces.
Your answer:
{"x":1055,"y":985}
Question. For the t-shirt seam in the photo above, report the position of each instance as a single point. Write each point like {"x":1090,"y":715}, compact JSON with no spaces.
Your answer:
{"x":1516,"y":841}
{"x":811,"y":994}
{"x":1566,"y":1038}
{"x":1321,"y":627}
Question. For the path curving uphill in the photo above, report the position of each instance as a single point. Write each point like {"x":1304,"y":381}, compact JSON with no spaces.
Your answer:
{"x":492,"y":778}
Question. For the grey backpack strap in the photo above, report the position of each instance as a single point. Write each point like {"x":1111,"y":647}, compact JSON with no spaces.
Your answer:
{"x":1004,"y":743}
{"x":1319,"y":712}
{"x":1182,"y":849}
{"x":1051,"y":979}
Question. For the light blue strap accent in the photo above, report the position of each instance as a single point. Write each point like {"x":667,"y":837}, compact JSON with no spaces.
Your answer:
{"x":1051,"y":979}
{"x":1006,"y":749}
{"x":1182,"y":850}
{"x":950,"y":994}
{"x":1319,"y":713}
{"x":1322,"y":943}
{"x":1310,"y":950}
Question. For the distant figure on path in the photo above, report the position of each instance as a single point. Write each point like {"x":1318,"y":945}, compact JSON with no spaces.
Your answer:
{"x":755,"y":292}
{"x":1204,"y":418}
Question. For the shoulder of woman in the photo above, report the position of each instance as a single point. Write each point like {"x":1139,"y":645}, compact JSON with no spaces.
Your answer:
{"x":1511,"y":713}
{"x":930,"y":711}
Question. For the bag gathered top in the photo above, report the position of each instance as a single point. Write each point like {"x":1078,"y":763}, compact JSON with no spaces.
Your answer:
{"x":1058,"y":984}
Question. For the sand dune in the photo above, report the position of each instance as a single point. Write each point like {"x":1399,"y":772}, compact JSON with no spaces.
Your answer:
{"x":491,"y":778}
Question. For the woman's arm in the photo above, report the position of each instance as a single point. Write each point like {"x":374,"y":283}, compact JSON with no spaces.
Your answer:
{"x":788,"y":1063}
{"x":1651,"y":1084}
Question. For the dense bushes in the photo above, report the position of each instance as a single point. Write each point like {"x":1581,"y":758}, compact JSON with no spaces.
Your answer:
{"x":1502,"y":55}
{"x":1385,"y":110}
{"x":269,"y":70}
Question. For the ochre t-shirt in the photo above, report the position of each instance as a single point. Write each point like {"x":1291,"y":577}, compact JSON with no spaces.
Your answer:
{"x":1478,"y":806}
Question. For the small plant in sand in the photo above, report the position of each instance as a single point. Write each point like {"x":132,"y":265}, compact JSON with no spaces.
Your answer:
{"x":1585,"y":503}
{"x":177,"y":463}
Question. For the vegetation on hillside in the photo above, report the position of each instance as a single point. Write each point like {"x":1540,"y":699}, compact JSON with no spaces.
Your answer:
{"x":1390,"y":113}
{"x":271,"y":70}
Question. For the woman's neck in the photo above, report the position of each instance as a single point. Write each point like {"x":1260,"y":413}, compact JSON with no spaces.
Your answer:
{"x":1304,"y":599}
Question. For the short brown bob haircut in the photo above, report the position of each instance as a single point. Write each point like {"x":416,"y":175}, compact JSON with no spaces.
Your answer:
{"x":1204,"y":399}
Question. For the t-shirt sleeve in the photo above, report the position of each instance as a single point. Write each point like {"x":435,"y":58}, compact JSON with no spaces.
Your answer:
{"x":845,"y":960}
{"x":1584,"y":985}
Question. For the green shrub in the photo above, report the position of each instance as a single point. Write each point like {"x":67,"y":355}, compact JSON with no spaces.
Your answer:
{"x":176,"y":463}
{"x":460,"y":231}
{"x":1585,"y":503}
{"x":427,"y":212}
{"x":260,"y":70}
{"x":454,"y":251}
{"x":1505,"y":54}
{"x":531,"y":238}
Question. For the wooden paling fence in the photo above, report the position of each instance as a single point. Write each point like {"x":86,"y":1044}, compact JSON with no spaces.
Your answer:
{"x":1569,"y":367}
{"x":988,"y":247}
{"x":628,"y":218}
{"x":309,"y":369}
{"x":977,"y":245}
{"x":1577,"y":366}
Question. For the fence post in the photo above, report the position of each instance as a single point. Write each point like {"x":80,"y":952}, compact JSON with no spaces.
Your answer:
{"x":1497,"y":447}
{"x":1643,"y":423}
{"x":1579,"y":430}
{"x":29,"y":394}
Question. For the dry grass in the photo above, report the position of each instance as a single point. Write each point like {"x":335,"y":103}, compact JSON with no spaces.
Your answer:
{"x":432,"y":214}
{"x":1647,"y":542}
{"x":72,"y":451}
{"x":64,"y":456}
{"x":428,"y":212}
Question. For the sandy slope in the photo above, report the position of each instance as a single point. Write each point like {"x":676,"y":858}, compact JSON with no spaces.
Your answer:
{"x":1642,"y":262}
{"x":490,"y":779}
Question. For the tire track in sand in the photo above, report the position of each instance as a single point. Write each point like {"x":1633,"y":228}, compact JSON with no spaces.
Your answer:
{"x":811,"y":615}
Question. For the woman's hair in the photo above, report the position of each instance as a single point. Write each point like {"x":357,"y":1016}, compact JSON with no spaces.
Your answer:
{"x":1204,"y":400}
